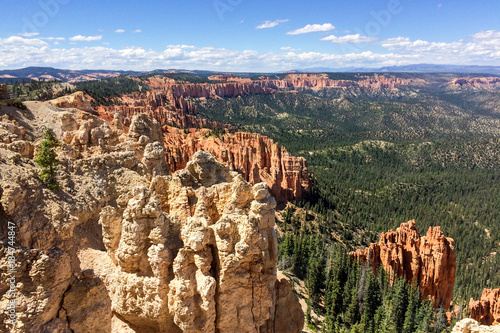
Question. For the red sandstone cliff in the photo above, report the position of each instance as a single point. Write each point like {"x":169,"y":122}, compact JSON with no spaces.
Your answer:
{"x":487,"y":309}
{"x":256,"y":157}
{"x":430,"y":259}
{"x":320,"y":81}
{"x":483,"y":83}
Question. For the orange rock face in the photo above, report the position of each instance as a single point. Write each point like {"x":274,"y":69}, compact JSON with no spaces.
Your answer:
{"x":256,"y":157}
{"x":484,"y":83}
{"x":430,"y":260}
{"x":487,"y":309}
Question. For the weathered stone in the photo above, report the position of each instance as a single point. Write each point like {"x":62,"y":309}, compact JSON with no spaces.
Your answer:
{"x":487,"y":309}
{"x":429,"y":260}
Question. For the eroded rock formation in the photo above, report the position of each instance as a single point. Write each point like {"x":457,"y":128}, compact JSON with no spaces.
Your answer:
{"x":430,"y":260}
{"x":76,"y":100}
{"x":487,"y":309}
{"x":256,"y":157}
{"x":123,"y":246}
{"x":483,"y":83}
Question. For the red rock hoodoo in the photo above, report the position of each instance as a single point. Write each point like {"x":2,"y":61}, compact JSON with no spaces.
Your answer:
{"x":430,"y":260}
{"x":487,"y":309}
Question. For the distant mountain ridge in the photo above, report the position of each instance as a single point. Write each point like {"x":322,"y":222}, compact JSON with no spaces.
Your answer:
{"x":418,"y":68}
{"x":67,"y":75}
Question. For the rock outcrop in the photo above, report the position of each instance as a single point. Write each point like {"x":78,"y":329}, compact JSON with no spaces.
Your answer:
{"x":76,"y":100}
{"x":4,"y":91}
{"x":468,"y":325}
{"x":256,"y":157}
{"x":482,"y":83}
{"x":487,"y":309}
{"x":123,"y":246}
{"x":429,"y":260}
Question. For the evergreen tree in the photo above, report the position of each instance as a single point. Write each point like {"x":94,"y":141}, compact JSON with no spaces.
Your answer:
{"x":47,"y":160}
{"x":440,"y":321}
{"x":424,"y":317}
{"x":371,"y":303}
{"x":410,"y":322}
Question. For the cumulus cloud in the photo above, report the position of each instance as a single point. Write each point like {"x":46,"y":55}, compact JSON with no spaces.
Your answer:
{"x":312,"y":28}
{"x":137,"y":31}
{"x":482,"y":48}
{"x":23,"y":41}
{"x":289,"y":48}
{"x":270,"y":24}
{"x":119,"y":31}
{"x":357,"y":38}
{"x":28,"y":34}
{"x":80,"y":38}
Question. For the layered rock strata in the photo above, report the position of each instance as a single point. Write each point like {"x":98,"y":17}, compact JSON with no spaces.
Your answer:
{"x":429,"y":260}
{"x":256,"y":157}
{"x":487,"y":309}
{"x":123,"y":246}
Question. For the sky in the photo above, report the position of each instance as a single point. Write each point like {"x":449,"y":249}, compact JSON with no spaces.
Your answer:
{"x":247,"y":35}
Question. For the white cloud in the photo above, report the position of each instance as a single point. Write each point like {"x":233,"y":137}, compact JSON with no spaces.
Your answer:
{"x":80,"y":38}
{"x":137,"y":31}
{"x":357,"y":38}
{"x":289,"y":48}
{"x":119,"y":31}
{"x":312,"y":28}
{"x":270,"y":24}
{"x":179,"y":46}
{"x":23,"y":41}
{"x":28,"y":34}
{"x":482,"y":48}
{"x":53,"y":38}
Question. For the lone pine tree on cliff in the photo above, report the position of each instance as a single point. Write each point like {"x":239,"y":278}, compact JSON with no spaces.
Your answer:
{"x":47,"y":160}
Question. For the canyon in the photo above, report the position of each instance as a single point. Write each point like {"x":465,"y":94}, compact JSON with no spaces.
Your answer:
{"x":254,"y":156}
{"x":125,"y":245}
{"x":429,"y":260}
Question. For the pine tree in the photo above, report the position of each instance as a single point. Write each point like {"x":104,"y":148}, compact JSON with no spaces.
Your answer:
{"x":410,"y":322}
{"x":47,"y":160}
{"x":371,"y":302}
{"x":424,"y":317}
{"x":440,"y":322}
{"x":400,"y":304}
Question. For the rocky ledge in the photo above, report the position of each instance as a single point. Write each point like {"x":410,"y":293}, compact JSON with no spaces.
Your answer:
{"x":123,"y":246}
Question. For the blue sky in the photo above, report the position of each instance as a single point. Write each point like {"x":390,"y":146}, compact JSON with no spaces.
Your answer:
{"x":247,"y":35}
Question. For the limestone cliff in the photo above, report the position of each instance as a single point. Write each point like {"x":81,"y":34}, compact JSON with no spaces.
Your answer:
{"x":471,"y":326}
{"x":487,"y":309}
{"x":430,"y":260}
{"x":256,"y":157}
{"x":123,"y":246}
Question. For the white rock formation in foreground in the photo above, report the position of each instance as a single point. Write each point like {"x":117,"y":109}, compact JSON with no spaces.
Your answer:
{"x":125,"y":247}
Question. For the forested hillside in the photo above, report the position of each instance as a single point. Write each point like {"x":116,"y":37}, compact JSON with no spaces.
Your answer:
{"x":382,"y":157}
